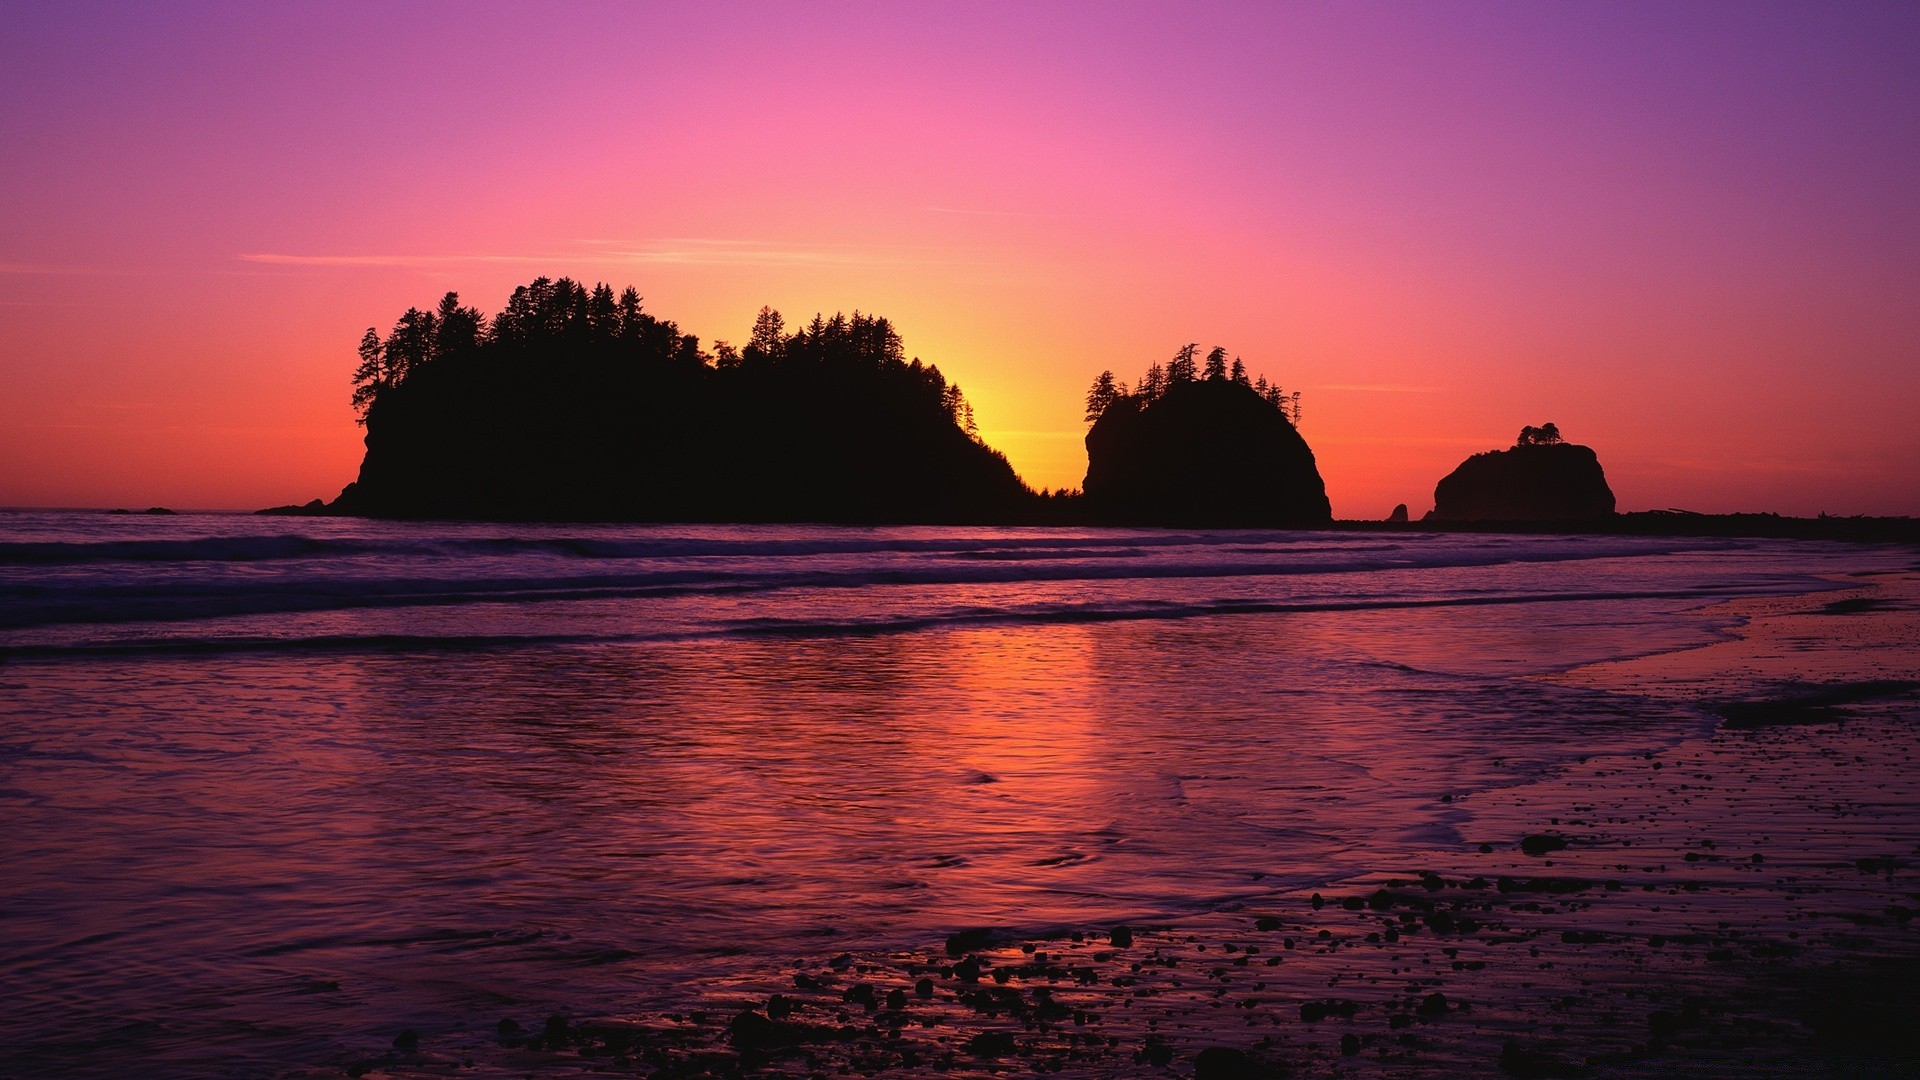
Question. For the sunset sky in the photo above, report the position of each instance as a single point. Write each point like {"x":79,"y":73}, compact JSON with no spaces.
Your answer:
{"x":1687,"y":233}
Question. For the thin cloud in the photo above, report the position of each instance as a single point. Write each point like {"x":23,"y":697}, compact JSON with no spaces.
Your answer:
{"x":1378,"y":388}
{"x":691,"y":251}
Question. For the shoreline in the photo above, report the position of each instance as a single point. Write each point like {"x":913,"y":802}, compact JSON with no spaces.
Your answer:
{"x":1742,"y":901}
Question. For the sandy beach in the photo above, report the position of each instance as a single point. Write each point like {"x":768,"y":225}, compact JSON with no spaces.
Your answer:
{"x":1741,"y":903}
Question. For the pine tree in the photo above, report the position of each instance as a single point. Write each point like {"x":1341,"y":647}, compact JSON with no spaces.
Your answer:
{"x":1217,"y":364}
{"x":1103,"y":394}
{"x":1182,"y":367}
{"x":1153,"y":383}
{"x":370,"y":377}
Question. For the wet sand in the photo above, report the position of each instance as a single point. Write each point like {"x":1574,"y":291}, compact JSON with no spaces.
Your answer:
{"x":1742,"y":903}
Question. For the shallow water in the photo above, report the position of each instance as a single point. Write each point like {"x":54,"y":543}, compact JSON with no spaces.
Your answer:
{"x":271,"y":789}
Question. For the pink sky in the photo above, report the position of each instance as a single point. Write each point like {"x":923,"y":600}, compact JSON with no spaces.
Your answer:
{"x":1687,"y":234}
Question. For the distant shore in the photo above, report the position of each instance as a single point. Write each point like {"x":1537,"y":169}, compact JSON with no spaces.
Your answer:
{"x":1858,"y":529}
{"x":1741,"y":903}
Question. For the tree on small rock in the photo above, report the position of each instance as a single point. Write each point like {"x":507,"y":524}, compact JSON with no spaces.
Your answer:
{"x":1104,"y":393}
{"x":1544,"y":435}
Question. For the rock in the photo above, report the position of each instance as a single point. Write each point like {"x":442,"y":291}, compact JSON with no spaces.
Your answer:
{"x":991,"y":1044}
{"x":779,"y":1007}
{"x":751,"y":1031}
{"x":1349,"y":1044}
{"x":1226,"y":1063}
{"x":1558,"y":482}
{"x":1315,"y":1011}
{"x":923,"y":988}
{"x":535,"y":423}
{"x":1206,"y":453}
{"x":1157,"y":1052}
{"x":1434,"y":1004}
{"x":407,"y":1041}
{"x":1542,"y":844}
{"x":1399,"y":515}
{"x":315,"y":508}
{"x":1122,"y":937}
{"x":965,"y":941}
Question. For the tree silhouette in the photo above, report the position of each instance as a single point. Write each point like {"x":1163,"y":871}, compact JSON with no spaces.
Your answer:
{"x":575,"y":402}
{"x":1544,"y":435}
{"x":1158,"y":382}
{"x":1154,"y":382}
{"x":457,"y":330}
{"x":1104,"y":393}
{"x":1216,"y":363}
{"x":1182,"y":369}
{"x":370,"y":378}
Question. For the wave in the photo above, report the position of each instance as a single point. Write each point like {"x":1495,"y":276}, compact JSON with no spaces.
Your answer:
{"x":1039,"y":613}
{"x":1026,"y":545}
{"x":181,"y":589}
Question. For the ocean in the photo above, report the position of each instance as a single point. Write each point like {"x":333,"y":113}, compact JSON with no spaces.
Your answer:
{"x":272,"y":789}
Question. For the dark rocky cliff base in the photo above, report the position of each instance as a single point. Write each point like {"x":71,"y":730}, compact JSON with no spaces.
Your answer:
{"x":1558,"y":482}
{"x":1210,"y":453}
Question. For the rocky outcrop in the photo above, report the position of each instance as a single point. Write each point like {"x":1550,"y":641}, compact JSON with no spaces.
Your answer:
{"x":1556,"y":482}
{"x":1205,"y":453}
{"x":571,"y":405}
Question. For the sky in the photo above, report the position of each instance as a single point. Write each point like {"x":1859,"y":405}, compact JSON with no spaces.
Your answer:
{"x":1686,"y":233}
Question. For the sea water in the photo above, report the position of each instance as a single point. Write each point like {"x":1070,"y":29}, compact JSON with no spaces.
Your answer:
{"x":272,"y":789}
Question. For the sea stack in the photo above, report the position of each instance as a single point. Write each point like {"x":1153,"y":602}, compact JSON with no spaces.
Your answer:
{"x":1211,"y":453}
{"x":1541,"y":478}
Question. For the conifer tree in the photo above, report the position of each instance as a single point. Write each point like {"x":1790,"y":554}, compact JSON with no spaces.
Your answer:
{"x":1182,"y":368}
{"x":1217,"y":363}
{"x":370,"y":377}
{"x":1103,"y":394}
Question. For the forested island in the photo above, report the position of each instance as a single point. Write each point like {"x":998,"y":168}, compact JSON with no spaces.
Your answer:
{"x":576,"y":404}
{"x":1200,"y":445}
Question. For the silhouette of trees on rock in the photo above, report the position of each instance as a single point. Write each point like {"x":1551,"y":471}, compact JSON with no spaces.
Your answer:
{"x":1198,"y":444}
{"x":577,"y":402}
{"x":1544,"y":435}
{"x":1104,"y":393}
{"x":1184,"y":368}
